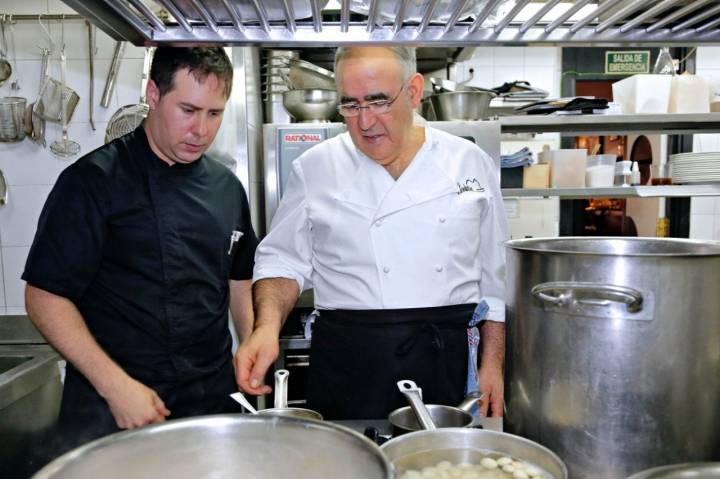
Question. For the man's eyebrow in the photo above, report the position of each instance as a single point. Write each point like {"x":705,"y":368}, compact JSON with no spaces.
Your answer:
{"x":372,"y":97}
{"x":195,"y":107}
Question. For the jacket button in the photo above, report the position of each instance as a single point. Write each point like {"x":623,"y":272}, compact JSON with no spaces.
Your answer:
{"x":386,"y":269}
{"x":438,"y":268}
{"x":441,"y":219}
{"x":378,"y":223}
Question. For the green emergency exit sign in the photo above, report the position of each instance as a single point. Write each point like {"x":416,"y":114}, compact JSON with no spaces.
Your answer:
{"x":627,"y":63}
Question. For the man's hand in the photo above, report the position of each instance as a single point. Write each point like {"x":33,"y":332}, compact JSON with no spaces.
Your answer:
{"x":254,"y":357}
{"x":134,"y":405}
{"x":491,"y":384}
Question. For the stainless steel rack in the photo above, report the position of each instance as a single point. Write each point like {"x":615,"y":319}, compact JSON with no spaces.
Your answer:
{"x":278,"y":23}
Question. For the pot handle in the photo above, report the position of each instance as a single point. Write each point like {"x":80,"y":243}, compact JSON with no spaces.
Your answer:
{"x":414,"y":397}
{"x":281,"y":379}
{"x":564,"y":293}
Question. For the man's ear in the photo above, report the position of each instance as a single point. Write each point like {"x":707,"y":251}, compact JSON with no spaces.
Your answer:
{"x":152,"y":95}
{"x":416,"y":83}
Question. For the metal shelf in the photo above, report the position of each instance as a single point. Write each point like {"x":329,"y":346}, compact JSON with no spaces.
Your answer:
{"x":471,"y":22}
{"x":670,"y":124}
{"x":616,"y":192}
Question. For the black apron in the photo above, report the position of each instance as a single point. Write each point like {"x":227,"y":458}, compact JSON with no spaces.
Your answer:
{"x":357,"y":357}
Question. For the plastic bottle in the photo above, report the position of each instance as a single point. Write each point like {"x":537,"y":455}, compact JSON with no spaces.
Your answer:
{"x":635,"y":174}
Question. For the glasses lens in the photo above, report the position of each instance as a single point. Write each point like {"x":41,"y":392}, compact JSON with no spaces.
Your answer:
{"x":380,"y":107}
{"x":348,"y":110}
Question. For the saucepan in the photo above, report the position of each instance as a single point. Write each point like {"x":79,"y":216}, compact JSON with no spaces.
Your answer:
{"x":281,"y":406}
{"x":405,"y":419}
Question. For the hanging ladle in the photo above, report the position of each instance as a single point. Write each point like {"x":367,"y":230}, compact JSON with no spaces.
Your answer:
{"x":5,"y":67}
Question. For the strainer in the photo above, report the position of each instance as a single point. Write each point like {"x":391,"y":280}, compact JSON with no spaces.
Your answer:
{"x":129,"y":117}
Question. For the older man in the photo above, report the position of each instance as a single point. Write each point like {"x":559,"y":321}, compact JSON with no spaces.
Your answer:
{"x":142,"y":246}
{"x":399,"y":230}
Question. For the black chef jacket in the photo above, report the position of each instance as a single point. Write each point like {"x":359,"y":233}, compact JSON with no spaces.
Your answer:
{"x":145,"y":251}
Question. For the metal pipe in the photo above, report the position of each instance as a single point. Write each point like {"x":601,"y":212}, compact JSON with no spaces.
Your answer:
{"x":482,"y":16}
{"x":289,"y":15}
{"x":234,"y":15}
{"x":708,"y":25}
{"x":509,"y":17}
{"x":660,"y":7}
{"x":428,"y":16}
{"x":400,"y":16}
{"x":459,"y":7}
{"x":149,"y":14}
{"x":569,"y":13}
{"x":262,"y":16}
{"x":540,"y":13}
{"x":372,"y":13}
{"x":316,"y":15}
{"x":619,"y":15}
{"x":176,"y":14}
{"x":205,"y":14}
{"x":605,"y":6}
{"x":676,"y":14}
{"x":344,"y":15}
{"x":697,"y":18}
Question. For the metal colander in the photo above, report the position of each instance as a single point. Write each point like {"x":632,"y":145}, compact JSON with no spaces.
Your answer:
{"x":125,"y":120}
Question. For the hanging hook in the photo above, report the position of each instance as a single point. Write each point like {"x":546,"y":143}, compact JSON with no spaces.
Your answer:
{"x":47,"y":33}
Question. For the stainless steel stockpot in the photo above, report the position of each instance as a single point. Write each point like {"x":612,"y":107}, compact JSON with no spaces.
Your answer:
{"x":613,"y":351}
{"x":226,"y":447}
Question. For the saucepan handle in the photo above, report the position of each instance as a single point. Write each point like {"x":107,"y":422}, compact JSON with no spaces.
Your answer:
{"x":565,"y":293}
{"x":281,"y":379}
{"x":414,"y":397}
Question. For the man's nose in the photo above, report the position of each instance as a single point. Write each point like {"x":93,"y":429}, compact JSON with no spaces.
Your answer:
{"x":200,"y":125}
{"x":366,"y":119}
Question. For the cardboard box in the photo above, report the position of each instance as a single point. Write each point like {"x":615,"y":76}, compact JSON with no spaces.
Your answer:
{"x":536,"y":176}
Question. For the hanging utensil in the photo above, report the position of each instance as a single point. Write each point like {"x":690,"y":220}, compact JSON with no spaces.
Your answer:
{"x":64,"y":147}
{"x":240,"y":397}
{"x":129,"y":117}
{"x":38,"y":111}
{"x":5,"y":67}
{"x":112,"y":74}
{"x":15,"y":85}
{"x":414,"y":397}
{"x":3,"y":190}
{"x":91,"y":55}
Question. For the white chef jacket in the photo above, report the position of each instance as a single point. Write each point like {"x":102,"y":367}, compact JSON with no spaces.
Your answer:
{"x":363,"y":240}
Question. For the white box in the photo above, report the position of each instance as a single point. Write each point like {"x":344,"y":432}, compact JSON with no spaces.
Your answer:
{"x":643,"y":93}
{"x":689,"y":94}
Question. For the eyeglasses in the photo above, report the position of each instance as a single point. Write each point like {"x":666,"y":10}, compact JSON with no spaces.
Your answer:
{"x":377,"y":107}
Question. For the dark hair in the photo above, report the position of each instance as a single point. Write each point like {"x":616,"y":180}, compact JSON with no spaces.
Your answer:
{"x":200,"y":61}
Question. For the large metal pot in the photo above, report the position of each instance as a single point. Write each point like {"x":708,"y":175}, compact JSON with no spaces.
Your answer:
{"x":694,"y":470}
{"x":420,"y":449}
{"x":613,"y":351}
{"x":226,"y":447}
{"x":462,"y":105}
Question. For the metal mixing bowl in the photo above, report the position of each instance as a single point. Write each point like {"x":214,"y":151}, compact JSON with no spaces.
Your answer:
{"x":462,"y":105}
{"x":311,"y":105}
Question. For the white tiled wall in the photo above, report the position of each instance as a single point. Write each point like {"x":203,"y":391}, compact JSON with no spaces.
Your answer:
{"x":705,"y":212}
{"x":30,"y":170}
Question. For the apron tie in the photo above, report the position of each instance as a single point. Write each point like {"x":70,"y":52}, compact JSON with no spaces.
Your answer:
{"x":425,"y":327}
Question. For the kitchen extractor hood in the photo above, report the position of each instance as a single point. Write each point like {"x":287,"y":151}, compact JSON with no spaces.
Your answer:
{"x":297,"y":23}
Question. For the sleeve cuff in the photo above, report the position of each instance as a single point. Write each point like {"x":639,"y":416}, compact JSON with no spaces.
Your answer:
{"x":497,"y":310}
{"x":264,"y":273}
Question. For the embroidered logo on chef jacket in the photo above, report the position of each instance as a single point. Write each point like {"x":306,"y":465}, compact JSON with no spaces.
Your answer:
{"x":470,"y":185}
{"x":234,"y":238}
